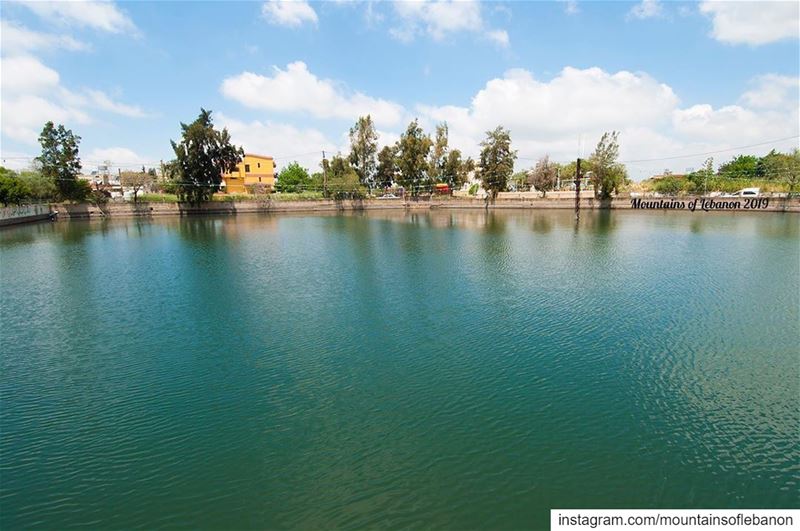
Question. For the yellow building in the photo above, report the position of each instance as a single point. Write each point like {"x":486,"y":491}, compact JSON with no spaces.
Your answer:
{"x":253,"y":169}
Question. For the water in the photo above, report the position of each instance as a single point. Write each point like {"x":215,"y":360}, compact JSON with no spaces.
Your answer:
{"x":386,"y":370}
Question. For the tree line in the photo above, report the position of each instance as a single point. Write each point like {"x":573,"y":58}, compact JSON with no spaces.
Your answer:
{"x":417,"y":162}
{"x":775,"y":170}
{"x":55,"y":174}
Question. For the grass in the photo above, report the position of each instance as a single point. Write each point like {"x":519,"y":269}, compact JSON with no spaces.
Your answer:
{"x":297,"y":196}
{"x":158,"y":198}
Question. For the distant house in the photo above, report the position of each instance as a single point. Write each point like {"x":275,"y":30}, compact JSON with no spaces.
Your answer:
{"x":254,"y":169}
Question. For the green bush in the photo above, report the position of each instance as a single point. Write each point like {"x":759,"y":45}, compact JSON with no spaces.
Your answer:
{"x":12,"y":190}
{"x":670,"y":185}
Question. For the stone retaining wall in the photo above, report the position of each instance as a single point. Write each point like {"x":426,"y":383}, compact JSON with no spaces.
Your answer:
{"x":86,"y":211}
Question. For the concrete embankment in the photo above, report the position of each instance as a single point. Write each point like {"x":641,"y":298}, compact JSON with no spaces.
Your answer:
{"x":223,"y":207}
{"x":11,"y":215}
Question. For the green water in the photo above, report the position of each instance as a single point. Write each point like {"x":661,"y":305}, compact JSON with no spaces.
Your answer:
{"x":390,"y":370}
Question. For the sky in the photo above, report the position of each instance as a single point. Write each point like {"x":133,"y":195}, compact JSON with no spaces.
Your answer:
{"x":678,"y":80}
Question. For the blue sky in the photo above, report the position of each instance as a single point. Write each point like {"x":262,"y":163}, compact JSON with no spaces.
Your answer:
{"x":289,"y":78}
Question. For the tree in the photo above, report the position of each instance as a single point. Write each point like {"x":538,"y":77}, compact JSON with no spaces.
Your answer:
{"x":543,"y":176}
{"x":793,"y":171}
{"x":467,"y":167}
{"x":412,"y":158}
{"x":12,"y":190}
{"x":740,"y":167}
{"x":136,"y":180}
{"x":451,"y":171}
{"x":607,"y":175}
{"x":497,"y":161}
{"x":568,"y":171}
{"x":668,"y":185}
{"x":202,"y":156}
{"x":363,"y":147}
{"x":386,"y":173}
{"x":698,"y":180}
{"x":343,"y":181}
{"x":438,"y":157}
{"x":39,"y":187}
{"x":60,"y":163}
{"x":317,"y":182}
{"x":293,"y":178}
{"x":517,"y":181}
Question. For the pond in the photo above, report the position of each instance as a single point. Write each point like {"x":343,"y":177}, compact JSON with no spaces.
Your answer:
{"x":449,"y":369}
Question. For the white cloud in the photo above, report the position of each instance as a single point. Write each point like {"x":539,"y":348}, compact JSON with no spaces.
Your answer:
{"x":440,"y":18}
{"x":499,"y":36}
{"x":24,"y":116}
{"x":371,"y":15}
{"x":16,"y":38}
{"x":646,"y":9}
{"x":101,"y":100}
{"x":576,"y":99}
{"x":753,"y":23}
{"x":555,"y":116}
{"x":117,"y":155}
{"x":290,"y":13}
{"x":25,"y":74}
{"x":734,"y":121}
{"x":571,"y":7}
{"x":279,"y":140}
{"x":104,"y":16}
{"x":773,"y":91}
{"x":387,"y":138}
{"x":297,"y":89}
{"x":32,"y":94}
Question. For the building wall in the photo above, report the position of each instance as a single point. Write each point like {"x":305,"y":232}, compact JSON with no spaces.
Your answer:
{"x":253,"y":169}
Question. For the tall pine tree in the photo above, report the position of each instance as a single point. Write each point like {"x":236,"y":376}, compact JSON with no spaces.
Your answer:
{"x":60,"y":162}
{"x":202,"y":156}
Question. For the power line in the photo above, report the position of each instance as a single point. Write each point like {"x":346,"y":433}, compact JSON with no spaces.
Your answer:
{"x":709,"y":152}
{"x":132,"y":164}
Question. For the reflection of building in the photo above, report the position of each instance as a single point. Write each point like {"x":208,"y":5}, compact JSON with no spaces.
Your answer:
{"x":253,"y":170}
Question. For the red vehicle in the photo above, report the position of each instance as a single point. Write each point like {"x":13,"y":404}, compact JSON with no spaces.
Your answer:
{"x":441,"y":189}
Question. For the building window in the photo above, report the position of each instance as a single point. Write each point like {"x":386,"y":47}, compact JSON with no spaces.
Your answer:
{"x":247,"y":168}
{"x":259,"y":164}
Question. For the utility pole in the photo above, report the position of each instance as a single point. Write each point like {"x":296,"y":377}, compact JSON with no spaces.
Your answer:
{"x":324,"y":176}
{"x":578,"y":189}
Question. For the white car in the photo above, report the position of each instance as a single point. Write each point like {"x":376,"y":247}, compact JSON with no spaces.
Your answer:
{"x":745,"y":192}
